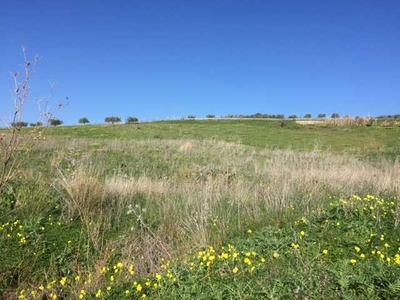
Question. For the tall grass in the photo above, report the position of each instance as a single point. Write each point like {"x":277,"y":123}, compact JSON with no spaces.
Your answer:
{"x":169,"y":196}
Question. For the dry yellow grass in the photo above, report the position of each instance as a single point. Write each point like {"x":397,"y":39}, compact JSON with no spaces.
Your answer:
{"x":348,"y":121}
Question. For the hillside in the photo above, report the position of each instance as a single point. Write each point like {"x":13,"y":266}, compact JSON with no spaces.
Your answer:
{"x":202,"y":209}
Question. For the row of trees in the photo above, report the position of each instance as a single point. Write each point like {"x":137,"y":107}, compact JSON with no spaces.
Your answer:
{"x":20,"y":124}
{"x":113,"y":120}
{"x":320,"y":116}
{"x":84,"y":121}
{"x":267,"y":116}
{"x":133,"y":120}
{"x":389,"y":117}
{"x":129,"y":120}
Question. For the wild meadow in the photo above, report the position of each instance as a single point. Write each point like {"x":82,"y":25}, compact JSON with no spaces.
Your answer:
{"x":203,"y":210}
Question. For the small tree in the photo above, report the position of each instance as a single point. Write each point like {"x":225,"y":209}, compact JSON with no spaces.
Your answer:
{"x":321,"y":116}
{"x":55,"y":122}
{"x":292,"y":117}
{"x":191,"y":117}
{"x":112,"y":120}
{"x":210,"y":116}
{"x":131,"y":120}
{"x":335,"y":116}
{"x":84,"y":120}
{"x":307,"y":116}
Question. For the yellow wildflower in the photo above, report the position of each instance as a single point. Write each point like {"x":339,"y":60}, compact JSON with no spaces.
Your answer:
{"x":247,"y":261}
{"x":99,"y":294}
{"x":63,"y":281}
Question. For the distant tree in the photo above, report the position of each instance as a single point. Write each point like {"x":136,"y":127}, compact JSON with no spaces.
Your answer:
{"x":84,"y":120}
{"x":112,"y":120}
{"x":55,"y":122}
{"x":131,"y":120}
{"x":307,"y":116}
{"x":321,"y":116}
{"x":19,"y":124}
{"x":210,"y":116}
{"x":335,"y":116}
{"x":292,"y":117}
{"x":191,"y":117}
{"x":37,"y":124}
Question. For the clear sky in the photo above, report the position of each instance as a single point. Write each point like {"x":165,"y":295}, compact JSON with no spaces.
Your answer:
{"x":159,"y":59}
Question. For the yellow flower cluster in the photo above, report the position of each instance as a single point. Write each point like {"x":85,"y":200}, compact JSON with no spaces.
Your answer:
{"x":246,"y":261}
{"x":14,"y":230}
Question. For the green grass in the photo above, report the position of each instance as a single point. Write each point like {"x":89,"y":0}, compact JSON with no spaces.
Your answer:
{"x":363,"y":141}
{"x":348,"y":250}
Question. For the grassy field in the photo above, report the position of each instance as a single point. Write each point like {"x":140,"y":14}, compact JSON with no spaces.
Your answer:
{"x":370,"y":141}
{"x":204,"y":210}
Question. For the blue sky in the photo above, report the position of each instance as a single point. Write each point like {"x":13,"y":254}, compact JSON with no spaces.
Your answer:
{"x":160,"y":59}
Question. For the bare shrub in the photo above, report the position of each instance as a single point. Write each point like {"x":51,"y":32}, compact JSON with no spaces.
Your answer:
{"x":13,"y":141}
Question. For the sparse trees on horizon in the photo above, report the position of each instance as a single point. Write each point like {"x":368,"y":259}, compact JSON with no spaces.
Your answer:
{"x":84,"y":121}
{"x":335,"y":116}
{"x":37,"y":124}
{"x":191,"y":117}
{"x":19,"y":124}
{"x":131,"y":120}
{"x":256,"y":116}
{"x":112,"y":120}
{"x":321,"y":116}
{"x":307,"y":116}
{"x":292,"y":117}
{"x":210,"y":116}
